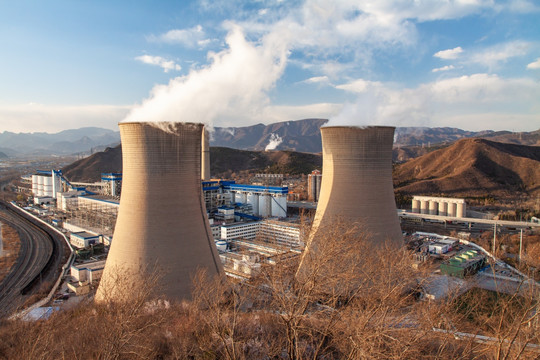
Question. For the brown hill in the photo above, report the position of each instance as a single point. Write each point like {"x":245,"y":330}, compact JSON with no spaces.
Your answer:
{"x":223,"y":162}
{"x":472,"y":167}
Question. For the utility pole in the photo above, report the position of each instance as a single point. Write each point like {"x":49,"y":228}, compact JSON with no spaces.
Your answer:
{"x":520,"y":244}
{"x":494,"y":237}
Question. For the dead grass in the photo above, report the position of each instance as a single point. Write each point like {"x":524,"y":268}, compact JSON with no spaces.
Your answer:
{"x":11,"y":247}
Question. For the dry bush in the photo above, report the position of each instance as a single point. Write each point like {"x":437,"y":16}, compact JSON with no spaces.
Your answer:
{"x":11,"y":245}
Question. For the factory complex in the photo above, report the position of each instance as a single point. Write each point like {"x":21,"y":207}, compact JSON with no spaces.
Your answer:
{"x":165,"y":210}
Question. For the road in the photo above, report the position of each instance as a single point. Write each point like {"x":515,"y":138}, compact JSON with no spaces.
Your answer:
{"x":39,"y":257}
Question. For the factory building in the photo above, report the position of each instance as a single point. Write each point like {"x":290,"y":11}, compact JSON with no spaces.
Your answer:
{"x":46,"y":185}
{"x":439,"y":206}
{"x":314,"y":185}
{"x":280,"y":233}
{"x":83,"y":239}
{"x":162,"y":219}
{"x":464,"y":264}
{"x":266,"y":201}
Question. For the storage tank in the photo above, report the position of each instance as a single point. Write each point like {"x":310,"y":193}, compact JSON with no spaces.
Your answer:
{"x":416,"y":206}
{"x":443,"y":208}
{"x":452,"y":209}
{"x":460,"y":210}
{"x":424,"y":207}
{"x":253,"y":199}
{"x":40,"y":185}
{"x":47,"y":186}
{"x":357,"y":183}
{"x":162,"y":218}
{"x":279,"y":206}
{"x":433,"y":206}
{"x":265,"y":207}
{"x":35,"y":185}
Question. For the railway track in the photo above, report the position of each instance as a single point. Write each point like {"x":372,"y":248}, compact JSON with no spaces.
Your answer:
{"x":39,"y":257}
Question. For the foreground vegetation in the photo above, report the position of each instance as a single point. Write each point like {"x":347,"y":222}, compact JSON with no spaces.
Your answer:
{"x":350,"y":300}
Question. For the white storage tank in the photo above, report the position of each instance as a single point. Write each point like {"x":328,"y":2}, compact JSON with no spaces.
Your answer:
{"x":35,"y":185}
{"x":424,"y":207}
{"x":416,"y":206}
{"x":279,"y":206}
{"x":253,"y":199}
{"x":460,"y":210}
{"x":265,"y":207}
{"x":221,"y":245}
{"x":452,"y":209}
{"x":47,"y":186}
{"x":40,"y":186}
{"x":432,"y":207}
{"x":443,"y":206}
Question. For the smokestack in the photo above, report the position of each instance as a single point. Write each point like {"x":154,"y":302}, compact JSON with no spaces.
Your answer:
{"x":162,"y":219}
{"x":357,"y":183}
{"x":205,"y":167}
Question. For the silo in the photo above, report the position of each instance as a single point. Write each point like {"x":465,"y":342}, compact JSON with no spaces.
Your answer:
{"x":162,"y":223}
{"x":47,"y":186}
{"x":253,"y":199}
{"x":35,"y":185}
{"x":279,"y":205}
{"x":357,"y":183}
{"x":443,"y":206}
{"x":40,"y":185}
{"x":424,"y":206}
{"x":452,"y":209}
{"x":416,"y":206}
{"x":433,"y":207}
{"x":460,"y":209}
{"x":265,"y":207}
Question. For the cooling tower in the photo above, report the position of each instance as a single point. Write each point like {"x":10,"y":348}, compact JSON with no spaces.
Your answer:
{"x":357,"y":182}
{"x":162,"y":219}
{"x":205,"y":167}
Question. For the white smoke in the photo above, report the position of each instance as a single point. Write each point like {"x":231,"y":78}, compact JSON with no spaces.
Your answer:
{"x":237,"y":78}
{"x":274,"y":142}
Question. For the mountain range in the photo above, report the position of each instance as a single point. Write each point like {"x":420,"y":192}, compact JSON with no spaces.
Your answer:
{"x":300,"y":135}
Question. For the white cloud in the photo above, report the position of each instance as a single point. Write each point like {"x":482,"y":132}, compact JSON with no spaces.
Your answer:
{"x":482,"y":97}
{"x":534,"y":65}
{"x":273,"y":142}
{"x":492,"y":56}
{"x":359,"y":86}
{"x":444,"y":68}
{"x":317,"y":80}
{"x":235,"y":82}
{"x":166,"y":65}
{"x":53,"y":118}
{"x":192,"y":37}
{"x":449,"y":54}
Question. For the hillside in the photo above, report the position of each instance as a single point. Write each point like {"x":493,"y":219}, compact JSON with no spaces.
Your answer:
{"x":472,"y":167}
{"x":223,"y":162}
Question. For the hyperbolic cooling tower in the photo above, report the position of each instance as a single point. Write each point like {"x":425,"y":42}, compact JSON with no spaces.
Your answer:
{"x":162,"y":219}
{"x":357,"y":182}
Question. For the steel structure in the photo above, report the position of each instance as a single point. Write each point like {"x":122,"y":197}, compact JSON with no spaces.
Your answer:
{"x":162,"y":220}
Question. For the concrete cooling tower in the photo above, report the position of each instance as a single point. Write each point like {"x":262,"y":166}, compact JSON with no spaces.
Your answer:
{"x":357,"y":182}
{"x":162,"y":219}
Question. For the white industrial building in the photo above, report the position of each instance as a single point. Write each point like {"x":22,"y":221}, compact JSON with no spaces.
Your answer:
{"x":272,"y":231}
{"x":83,"y":239}
{"x":439,"y":206}
{"x":46,"y":184}
{"x":266,"y":201}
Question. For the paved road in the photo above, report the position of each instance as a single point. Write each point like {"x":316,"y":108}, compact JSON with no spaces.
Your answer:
{"x":39,"y":257}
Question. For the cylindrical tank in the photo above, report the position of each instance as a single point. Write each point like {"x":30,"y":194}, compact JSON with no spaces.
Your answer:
{"x":264,"y":205}
{"x":443,"y":208}
{"x":35,"y":185}
{"x":221,"y":245}
{"x":357,"y":183}
{"x":233,"y":197}
{"x":452,"y":209}
{"x":40,"y":185}
{"x":424,"y":207}
{"x":205,"y":166}
{"x":253,"y":199}
{"x":162,"y":223}
{"x":47,"y":186}
{"x":279,"y":206}
{"x":416,"y":206}
{"x":243,"y":196}
{"x":433,"y":207}
{"x":460,"y":210}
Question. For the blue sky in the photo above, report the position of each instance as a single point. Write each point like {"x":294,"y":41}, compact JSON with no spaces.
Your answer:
{"x":471,"y":64}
